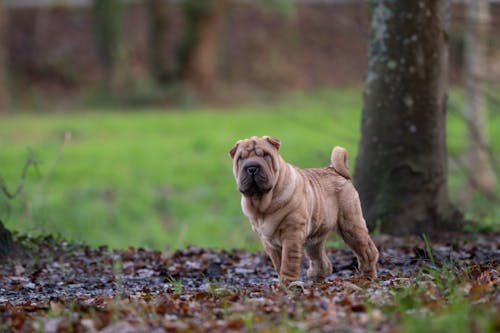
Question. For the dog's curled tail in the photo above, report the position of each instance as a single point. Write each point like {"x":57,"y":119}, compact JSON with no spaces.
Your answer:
{"x":339,"y":162}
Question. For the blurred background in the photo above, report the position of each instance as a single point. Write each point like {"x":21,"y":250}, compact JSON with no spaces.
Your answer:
{"x":116,"y":117}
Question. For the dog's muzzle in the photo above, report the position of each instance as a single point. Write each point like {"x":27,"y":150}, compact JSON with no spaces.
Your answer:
{"x":253,"y":179}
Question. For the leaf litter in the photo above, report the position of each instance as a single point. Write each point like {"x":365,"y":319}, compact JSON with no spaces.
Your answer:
{"x":54,"y":286}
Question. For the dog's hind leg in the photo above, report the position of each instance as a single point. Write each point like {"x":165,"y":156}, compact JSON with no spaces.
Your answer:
{"x":320,"y":266}
{"x":352,"y":228}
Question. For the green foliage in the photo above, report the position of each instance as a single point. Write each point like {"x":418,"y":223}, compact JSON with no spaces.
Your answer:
{"x":108,"y":37}
{"x":193,"y":11}
{"x":155,"y":178}
{"x":283,"y":7}
{"x":453,"y":315}
{"x":437,"y":302}
{"x":447,"y":296}
{"x":108,"y":26}
{"x":176,"y":285}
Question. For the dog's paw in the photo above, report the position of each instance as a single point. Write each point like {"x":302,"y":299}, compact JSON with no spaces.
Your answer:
{"x":296,"y":285}
{"x":369,"y":271}
{"x":319,"y":273}
{"x":371,"y":274}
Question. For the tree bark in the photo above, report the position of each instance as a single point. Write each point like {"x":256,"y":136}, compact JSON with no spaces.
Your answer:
{"x":401,"y":170}
{"x":7,"y":247}
{"x":203,"y":20}
{"x":476,"y":45}
{"x":160,"y":24}
{"x":4,"y":95}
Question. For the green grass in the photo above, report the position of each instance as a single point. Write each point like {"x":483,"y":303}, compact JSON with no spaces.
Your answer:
{"x":445,"y":299}
{"x":157,"y":177}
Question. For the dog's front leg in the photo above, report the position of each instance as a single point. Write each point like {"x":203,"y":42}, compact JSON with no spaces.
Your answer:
{"x":274,"y":252}
{"x":291,"y":255}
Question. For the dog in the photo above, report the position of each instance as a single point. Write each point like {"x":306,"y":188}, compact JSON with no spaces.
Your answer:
{"x":293,"y":210}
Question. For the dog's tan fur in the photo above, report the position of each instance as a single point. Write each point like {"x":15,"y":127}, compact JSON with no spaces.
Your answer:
{"x":293,"y":209}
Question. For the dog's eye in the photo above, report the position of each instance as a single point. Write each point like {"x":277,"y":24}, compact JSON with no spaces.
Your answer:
{"x":241,"y":158}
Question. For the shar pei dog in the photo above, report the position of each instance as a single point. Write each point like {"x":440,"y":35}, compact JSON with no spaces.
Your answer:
{"x":293,"y":209}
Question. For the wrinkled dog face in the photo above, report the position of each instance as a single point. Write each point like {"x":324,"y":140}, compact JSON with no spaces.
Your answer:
{"x":255,"y":164}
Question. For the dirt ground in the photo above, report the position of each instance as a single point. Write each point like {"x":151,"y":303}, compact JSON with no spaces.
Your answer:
{"x":54,"y":286}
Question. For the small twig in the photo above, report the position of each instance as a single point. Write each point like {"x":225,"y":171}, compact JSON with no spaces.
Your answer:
{"x":476,"y":137}
{"x":492,"y":197}
{"x":55,"y":160}
{"x":3,"y":186}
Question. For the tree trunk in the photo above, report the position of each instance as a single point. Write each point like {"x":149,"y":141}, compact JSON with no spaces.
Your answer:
{"x":476,"y":42}
{"x":7,"y":247}
{"x":203,"y":21}
{"x":401,"y":170}
{"x":160,"y":23}
{"x":108,"y":34}
{"x":4,"y":95}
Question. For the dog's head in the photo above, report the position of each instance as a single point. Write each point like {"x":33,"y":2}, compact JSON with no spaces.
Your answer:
{"x":255,"y":164}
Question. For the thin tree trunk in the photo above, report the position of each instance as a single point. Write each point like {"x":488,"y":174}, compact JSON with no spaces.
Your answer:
{"x":108,"y":34}
{"x":401,"y":170}
{"x":200,"y":72}
{"x":476,"y":43}
{"x":159,"y":16}
{"x":4,"y":95}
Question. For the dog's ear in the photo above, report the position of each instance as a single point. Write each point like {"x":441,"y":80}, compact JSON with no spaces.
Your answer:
{"x":275,"y":142}
{"x":232,"y":152}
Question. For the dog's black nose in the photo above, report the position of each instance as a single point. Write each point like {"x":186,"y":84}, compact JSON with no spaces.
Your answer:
{"x":252,"y":170}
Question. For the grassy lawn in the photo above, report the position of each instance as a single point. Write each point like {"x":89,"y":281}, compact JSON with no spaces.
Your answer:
{"x":157,"y":178}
